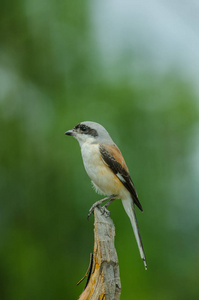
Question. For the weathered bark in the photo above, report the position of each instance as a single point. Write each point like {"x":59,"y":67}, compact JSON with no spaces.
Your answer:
{"x":104,"y":278}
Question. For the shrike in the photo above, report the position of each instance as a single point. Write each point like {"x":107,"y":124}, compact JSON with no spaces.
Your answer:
{"x":108,"y":172}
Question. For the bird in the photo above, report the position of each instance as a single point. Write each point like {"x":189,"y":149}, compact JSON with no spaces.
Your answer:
{"x":108,"y":172}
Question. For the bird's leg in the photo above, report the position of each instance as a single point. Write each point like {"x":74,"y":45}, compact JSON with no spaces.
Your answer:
{"x":100,"y":202}
{"x":110,"y":201}
{"x":104,"y":208}
{"x":97,"y":204}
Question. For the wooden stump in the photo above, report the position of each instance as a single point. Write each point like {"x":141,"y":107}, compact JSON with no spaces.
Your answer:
{"x":104,"y":278}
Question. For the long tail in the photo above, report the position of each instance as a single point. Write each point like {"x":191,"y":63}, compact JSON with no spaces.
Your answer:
{"x":130,"y":210}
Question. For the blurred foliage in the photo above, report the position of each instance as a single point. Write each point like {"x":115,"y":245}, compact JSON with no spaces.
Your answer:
{"x":51,"y":79}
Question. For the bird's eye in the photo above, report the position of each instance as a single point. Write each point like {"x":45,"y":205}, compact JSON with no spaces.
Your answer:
{"x":83,"y":128}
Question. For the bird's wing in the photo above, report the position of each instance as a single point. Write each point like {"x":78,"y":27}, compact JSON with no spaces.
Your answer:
{"x":113,"y":158}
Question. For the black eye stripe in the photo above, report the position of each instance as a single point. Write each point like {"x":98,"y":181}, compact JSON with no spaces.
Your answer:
{"x":86,"y":129}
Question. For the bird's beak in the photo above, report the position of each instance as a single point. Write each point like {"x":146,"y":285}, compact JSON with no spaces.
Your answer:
{"x":69,"y":132}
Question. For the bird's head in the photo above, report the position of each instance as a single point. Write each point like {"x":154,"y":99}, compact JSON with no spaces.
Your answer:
{"x":90,"y":132}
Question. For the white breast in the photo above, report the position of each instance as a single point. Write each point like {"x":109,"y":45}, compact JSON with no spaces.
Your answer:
{"x":91,"y":159}
{"x":103,"y":178}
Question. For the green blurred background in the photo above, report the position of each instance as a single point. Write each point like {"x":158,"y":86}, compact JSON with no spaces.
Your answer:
{"x":132,"y":67}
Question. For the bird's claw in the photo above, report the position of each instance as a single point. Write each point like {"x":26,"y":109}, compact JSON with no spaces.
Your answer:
{"x":91,"y":210}
{"x":103,"y":210}
{"x":89,"y":214}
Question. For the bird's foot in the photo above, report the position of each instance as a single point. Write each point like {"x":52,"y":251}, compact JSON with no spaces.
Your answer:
{"x":103,"y":209}
{"x":91,"y":210}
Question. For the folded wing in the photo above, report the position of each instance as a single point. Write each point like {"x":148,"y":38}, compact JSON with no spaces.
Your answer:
{"x":113,"y":158}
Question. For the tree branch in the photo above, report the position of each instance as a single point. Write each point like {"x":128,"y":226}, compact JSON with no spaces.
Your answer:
{"x":104,"y":279}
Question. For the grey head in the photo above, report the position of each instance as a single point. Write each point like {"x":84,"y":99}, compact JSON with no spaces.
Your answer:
{"x":90,"y":132}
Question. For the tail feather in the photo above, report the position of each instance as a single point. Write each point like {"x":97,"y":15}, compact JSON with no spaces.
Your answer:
{"x":130,"y":210}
